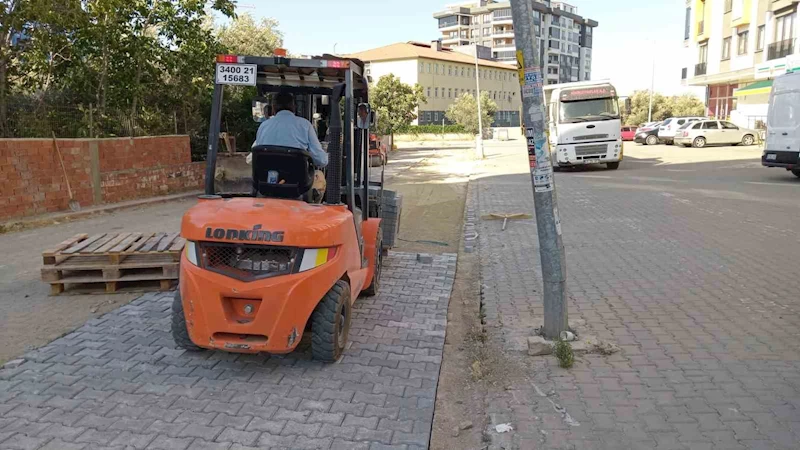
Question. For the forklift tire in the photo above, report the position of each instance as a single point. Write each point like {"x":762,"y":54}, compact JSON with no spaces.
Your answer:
{"x":330,"y":323}
{"x":179,"y":332}
{"x":375,"y":161}
{"x":372,"y":289}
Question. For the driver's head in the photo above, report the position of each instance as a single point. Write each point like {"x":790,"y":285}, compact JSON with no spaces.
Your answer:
{"x":284,"y":101}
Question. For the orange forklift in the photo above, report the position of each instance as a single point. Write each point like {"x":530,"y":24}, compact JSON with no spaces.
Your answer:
{"x":265,"y":266}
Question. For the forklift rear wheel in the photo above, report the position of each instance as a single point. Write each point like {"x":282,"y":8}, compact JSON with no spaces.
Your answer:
{"x":796,"y":172}
{"x":372,"y":290}
{"x":179,"y":331}
{"x":612,"y":165}
{"x":375,"y":161}
{"x":330,"y":323}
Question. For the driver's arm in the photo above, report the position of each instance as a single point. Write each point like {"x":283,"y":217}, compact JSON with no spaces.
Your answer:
{"x":318,"y":155}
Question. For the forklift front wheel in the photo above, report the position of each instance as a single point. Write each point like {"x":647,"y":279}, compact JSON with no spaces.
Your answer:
{"x":330,"y":323}
{"x":179,"y":331}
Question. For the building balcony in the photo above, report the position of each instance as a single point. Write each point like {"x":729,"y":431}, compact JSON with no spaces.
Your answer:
{"x":700,"y":69}
{"x":780,"y":49}
{"x":504,"y":46}
{"x":503,"y":34}
{"x":502,"y":20}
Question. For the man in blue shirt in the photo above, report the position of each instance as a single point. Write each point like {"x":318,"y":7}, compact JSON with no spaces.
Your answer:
{"x":288,"y":130}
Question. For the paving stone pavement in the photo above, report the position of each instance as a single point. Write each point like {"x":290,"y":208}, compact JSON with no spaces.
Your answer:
{"x":118,"y":382}
{"x":696,"y":283}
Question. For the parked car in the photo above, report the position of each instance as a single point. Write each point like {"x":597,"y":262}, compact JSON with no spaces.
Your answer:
{"x":714,"y":132}
{"x":668,"y":128}
{"x":647,"y":135}
{"x":628,"y":133}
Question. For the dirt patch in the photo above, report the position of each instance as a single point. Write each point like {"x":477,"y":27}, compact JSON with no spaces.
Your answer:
{"x":433,"y":183}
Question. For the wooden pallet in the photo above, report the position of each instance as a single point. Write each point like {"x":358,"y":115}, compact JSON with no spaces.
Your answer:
{"x":113,"y":259}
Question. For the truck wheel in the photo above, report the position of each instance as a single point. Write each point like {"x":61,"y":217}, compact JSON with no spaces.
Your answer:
{"x":796,"y":172}
{"x":748,"y":139}
{"x":612,"y":166}
{"x":699,"y":142}
{"x":330,"y":323}
{"x":180,"y":334}
{"x":372,"y":290}
{"x":651,"y":140}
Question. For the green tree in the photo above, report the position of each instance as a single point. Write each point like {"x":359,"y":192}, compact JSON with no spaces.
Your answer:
{"x":464,"y":111}
{"x":245,"y":36}
{"x":663,"y":107}
{"x":396,"y":103}
{"x":687,"y":105}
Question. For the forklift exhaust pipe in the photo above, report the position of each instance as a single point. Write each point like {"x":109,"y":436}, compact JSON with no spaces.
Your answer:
{"x":333,"y":195}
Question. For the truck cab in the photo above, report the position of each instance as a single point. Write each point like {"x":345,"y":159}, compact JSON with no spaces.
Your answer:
{"x":584,"y":124}
{"x":782,"y":148}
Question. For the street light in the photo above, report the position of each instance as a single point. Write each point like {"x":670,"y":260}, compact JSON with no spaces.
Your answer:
{"x":479,"y":141}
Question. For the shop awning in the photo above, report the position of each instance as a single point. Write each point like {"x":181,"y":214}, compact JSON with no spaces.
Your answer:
{"x":759,"y":87}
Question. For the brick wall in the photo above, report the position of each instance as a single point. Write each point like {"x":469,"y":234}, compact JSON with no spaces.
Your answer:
{"x":99,"y":171}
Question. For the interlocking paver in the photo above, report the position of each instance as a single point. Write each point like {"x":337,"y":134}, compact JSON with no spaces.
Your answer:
{"x":676,"y":268}
{"x":119,"y":382}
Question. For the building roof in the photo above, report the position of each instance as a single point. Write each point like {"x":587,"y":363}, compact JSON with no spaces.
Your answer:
{"x":413,"y":50}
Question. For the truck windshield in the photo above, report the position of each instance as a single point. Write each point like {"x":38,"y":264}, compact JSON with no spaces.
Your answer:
{"x":589,"y":110}
{"x":785,"y":110}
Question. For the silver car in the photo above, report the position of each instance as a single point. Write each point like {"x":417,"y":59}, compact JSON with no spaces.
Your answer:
{"x":714,"y":132}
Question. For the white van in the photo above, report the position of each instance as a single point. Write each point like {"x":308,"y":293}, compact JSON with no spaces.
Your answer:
{"x":783,"y":124}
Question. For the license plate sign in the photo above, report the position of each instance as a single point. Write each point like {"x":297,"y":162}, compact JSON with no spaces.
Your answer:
{"x":592,"y":161}
{"x":236,"y":74}
{"x":771,"y":156}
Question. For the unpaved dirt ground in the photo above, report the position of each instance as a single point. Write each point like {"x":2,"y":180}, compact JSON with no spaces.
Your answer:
{"x":433,"y":183}
{"x":29,"y":317}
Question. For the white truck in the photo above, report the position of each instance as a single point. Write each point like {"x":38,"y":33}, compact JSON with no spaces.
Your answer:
{"x":782,"y":148}
{"x":584,"y":124}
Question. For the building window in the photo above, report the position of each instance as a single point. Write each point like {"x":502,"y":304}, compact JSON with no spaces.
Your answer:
{"x":760,"y":38}
{"x":728,"y":6}
{"x":436,"y":66}
{"x":436,"y":92}
{"x":421,"y":67}
{"x":429,"y":92}
{"x":726,"y":48}
{"x":462,"y":71}
{"x":743,"y":38}
{"x":450,"y":70}
{"x":487,"y":31}
{"x":784,"y":27}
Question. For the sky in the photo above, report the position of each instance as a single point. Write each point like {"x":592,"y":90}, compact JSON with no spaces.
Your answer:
{"x":631,"y":33}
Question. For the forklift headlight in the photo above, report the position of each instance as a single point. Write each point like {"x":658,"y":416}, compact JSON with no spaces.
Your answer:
{"x":315,"y":257}
{"x":191,"y":252}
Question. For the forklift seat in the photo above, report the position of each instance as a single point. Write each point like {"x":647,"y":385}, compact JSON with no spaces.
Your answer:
{"x":294,"y":167}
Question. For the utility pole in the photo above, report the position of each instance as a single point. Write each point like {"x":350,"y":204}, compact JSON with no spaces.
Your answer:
{"x":551,"y":246}
{"x":479,"y":141}
{"x":652,"y":86}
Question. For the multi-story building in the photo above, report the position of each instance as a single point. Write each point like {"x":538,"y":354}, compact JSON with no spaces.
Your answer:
{"x":445,"y":74}
{"x":565,"y":38}
{"x":734,"y":49}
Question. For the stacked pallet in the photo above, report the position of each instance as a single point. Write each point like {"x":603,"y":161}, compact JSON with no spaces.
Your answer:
{"x":113,"y":261}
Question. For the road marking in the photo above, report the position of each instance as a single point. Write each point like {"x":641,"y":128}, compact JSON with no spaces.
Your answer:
{"x":605,"y":177}
{"x":773,"y":184}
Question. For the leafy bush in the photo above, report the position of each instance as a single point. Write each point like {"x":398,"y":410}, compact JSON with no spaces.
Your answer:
{"x":564,"y":354}
{"x":432,"y":129}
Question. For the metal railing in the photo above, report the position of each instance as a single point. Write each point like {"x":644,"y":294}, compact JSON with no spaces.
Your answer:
{"x":780,"y":49}
{"x":700,"y":69}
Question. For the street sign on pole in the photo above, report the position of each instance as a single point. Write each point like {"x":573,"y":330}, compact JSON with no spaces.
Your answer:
{"x":551,"y":246}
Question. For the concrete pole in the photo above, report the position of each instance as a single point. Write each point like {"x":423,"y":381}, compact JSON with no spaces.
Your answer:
{"x":479,"y":141}
{"x":652,"y":86}
{"x":551,"y":246}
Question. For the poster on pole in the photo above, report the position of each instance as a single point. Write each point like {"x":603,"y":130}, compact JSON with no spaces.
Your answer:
{"x":532,"y":84}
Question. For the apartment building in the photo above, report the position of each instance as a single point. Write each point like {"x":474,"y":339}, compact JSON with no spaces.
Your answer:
{"x":445,"y":74}
{"x":735,"y":48}
{"x":565,"y":38}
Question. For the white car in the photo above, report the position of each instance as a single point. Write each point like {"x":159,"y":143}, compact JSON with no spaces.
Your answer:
{"x":714,"y":132}
{"x":668,"y":128}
